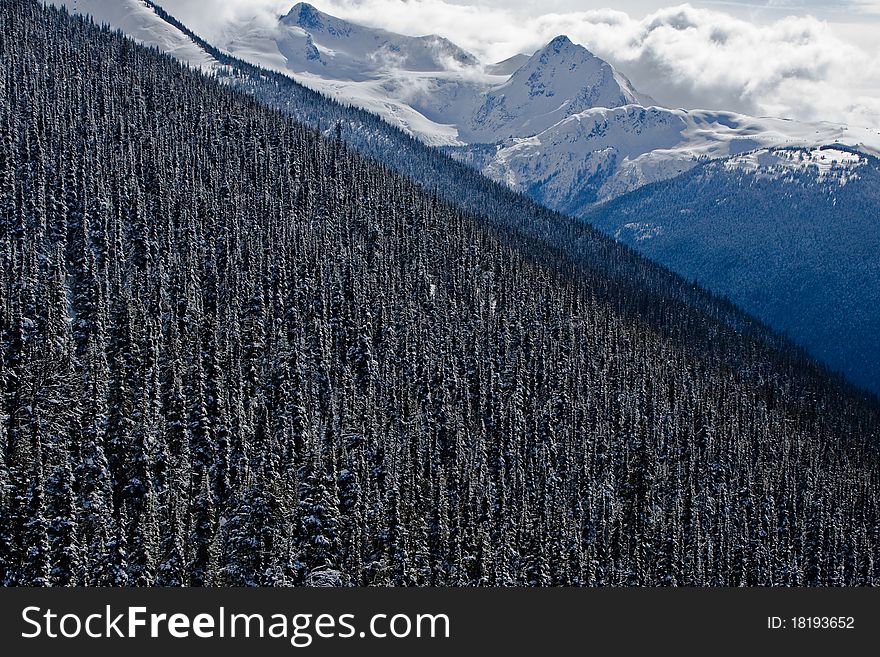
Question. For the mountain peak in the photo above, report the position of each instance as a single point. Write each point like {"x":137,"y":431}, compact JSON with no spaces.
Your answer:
{"x":306,"y":16}
{"x":565,"y":49}
{"x":562,"y":41}
{"x":559,"y":80}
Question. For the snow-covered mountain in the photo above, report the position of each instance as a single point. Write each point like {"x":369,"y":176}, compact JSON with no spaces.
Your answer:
{"x":429,"y":86}
{"x":425,"y":85}
{"x":558,"y":81}
{"x":561,"y":125}
{"x":314,"y":42}
{"x":600,"y":153}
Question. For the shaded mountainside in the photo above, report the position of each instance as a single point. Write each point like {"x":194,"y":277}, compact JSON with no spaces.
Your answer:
{"x":795,"y":245}
{"x":235,"y":352}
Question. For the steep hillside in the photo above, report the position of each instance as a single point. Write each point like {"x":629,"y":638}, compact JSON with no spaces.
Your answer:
{"x":235,"y":352}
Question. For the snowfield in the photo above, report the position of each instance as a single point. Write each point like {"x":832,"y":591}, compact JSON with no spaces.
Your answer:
{"x":138,"y":20}
{"x":829,"y":164}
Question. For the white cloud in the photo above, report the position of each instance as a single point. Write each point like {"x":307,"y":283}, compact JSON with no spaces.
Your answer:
{"x":795,"y":66}
{"x":210,"y":18}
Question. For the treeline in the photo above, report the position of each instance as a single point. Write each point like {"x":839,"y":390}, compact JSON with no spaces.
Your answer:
{"x":234,"y":352}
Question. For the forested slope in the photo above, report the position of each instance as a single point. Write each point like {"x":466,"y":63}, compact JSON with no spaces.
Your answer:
{"x":236,"y":353}
{"x":795,"y":248}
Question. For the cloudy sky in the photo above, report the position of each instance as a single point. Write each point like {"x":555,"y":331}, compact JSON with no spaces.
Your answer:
{"x":803,"y":59}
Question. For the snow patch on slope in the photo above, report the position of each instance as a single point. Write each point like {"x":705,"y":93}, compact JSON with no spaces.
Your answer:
{"x":832,"y":165}
{"x":507,"y":66}
{"x":371,"y":95}
{"x":138,"y":20}
{"x":640,"y":231}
